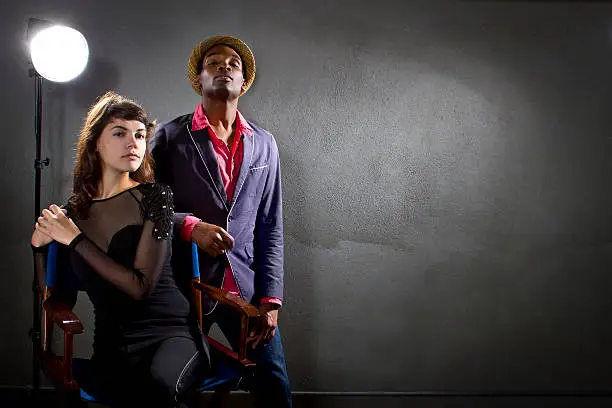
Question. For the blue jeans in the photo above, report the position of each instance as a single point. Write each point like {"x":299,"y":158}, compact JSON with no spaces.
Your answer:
{"x":270,"y":385}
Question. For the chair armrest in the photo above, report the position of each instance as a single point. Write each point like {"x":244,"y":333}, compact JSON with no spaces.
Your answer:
{"x":228,"y":353}
{"x":228,"y":299}
{"x":64,"y":317}
{"x":60,"y":368}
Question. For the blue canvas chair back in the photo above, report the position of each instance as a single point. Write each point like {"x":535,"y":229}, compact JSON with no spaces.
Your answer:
{"x":222,"y":373}
{"x":53,"y":276}
{"x":51,"y":273}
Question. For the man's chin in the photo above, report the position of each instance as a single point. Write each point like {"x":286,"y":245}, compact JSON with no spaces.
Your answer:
{"x":223,"y":94}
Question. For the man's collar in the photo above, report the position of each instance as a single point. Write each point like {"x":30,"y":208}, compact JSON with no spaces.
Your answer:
{"x":200,"y":121}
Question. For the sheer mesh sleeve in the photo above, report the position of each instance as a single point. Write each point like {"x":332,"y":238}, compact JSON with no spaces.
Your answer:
{"x":153,"y":247}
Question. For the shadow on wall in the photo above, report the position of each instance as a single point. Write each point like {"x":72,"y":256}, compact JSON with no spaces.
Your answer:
{"x":65,"y":108}
{"x":300,"y":334}
{"x":100,"y":76}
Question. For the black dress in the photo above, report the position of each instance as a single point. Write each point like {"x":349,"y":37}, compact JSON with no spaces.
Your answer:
{"x":146,"y":337}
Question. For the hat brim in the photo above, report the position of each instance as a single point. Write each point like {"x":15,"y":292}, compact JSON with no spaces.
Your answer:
{"x":195,"y":60}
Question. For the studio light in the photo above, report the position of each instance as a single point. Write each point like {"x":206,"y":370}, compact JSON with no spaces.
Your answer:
{"x":59,"y":53}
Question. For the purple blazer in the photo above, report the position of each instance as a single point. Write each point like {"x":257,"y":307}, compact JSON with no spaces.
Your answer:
{"x":185,"y":161}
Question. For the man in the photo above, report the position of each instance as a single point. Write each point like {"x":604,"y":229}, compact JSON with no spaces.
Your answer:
{"x":225,"y":171}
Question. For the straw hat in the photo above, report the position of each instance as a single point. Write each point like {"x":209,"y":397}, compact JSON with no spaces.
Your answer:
{"x":195,"y":60}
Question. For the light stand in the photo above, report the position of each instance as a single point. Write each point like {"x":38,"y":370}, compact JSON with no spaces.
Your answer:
{"x":39,"y":164}
{"x":59,"y":54}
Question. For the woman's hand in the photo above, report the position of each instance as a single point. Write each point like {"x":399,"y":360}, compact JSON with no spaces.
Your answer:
{"x":54,"y":223}
{"x":40,"y":239}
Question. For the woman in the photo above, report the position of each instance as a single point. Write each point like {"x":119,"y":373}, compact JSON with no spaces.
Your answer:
{"x":117,"y":229}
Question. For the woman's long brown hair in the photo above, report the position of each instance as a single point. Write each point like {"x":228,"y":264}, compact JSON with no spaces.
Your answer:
{"x":88,"y":166}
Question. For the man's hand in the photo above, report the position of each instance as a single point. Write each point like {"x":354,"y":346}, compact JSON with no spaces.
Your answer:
{"x":213,"y":239}
{"x":266,"y":326}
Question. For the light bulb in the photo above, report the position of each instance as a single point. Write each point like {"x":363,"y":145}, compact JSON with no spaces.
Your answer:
{"x":59,"y":53}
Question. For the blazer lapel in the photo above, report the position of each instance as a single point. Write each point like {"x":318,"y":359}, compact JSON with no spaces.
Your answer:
{"x":248,"y":144}
{"x":205,"y":149}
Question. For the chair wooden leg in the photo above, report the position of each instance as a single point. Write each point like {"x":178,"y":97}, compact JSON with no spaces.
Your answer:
{"x":220,"y":398}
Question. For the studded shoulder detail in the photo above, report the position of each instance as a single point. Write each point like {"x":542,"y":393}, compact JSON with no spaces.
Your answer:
{"x":157,"y":205}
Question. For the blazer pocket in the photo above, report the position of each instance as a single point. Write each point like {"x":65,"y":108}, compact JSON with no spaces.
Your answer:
{"x":257,"y":167}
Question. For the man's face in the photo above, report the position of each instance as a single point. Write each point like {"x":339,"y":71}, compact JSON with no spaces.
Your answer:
{"x":221,"y":75}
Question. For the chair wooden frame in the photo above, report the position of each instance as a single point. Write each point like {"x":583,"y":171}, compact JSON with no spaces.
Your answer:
{"x":60,"y":368}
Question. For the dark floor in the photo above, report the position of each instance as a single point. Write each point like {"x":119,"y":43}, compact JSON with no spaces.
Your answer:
{"x":21,"y":397}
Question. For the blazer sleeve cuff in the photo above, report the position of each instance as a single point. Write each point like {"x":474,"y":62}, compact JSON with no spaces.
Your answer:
{"x":187,"y":228}
{"x":274,"y":300}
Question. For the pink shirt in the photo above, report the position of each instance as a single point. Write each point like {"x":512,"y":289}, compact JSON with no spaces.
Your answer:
{"x":229,"y":159}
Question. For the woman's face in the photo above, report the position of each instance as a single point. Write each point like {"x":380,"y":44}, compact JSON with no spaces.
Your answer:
{"x":122,"y":145}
